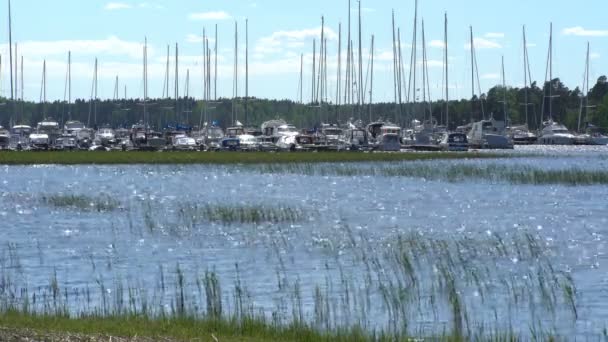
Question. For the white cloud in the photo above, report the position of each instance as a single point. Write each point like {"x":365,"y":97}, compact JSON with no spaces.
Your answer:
{"x":280,"y":40}
{"x":494,"y":35}
{"x":490,"y":76}
{"x":580,"y":31}
{"x":213,"y":15}
{"x":437,"y":44}
{"x":482,"y":43}
{"x":594,"y":55}
{"x":150,"y":5}
{"x":111,"y":6}
{"x":109,"y":46}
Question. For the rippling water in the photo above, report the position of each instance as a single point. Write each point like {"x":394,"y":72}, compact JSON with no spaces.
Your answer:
{"x":147,"y":236}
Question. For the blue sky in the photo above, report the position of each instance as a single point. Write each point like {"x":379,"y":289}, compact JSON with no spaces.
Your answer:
{"x":279,"y":31}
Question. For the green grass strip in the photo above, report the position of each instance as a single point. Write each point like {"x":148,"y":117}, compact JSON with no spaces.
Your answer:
{"x":220,"y":158}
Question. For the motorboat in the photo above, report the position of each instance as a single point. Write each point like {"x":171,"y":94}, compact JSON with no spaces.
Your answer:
{"x":275,"y":130}
{"x":248,"y":142}
{"x":384,"y":136}
{"x":184,"y":143}
{"x":72,"y":127}
{"x":554,"y":133}
{"x":230,"y":144}
{"x":66,"y":142}
{"x":489,"y":134}
{"x":39,"y":141}
{"x":521,"y":135}
{"x":20,"y":137}
{"x":49,"y":127}
{"x":210,"y":136}
{"x":454,"y":142}
{"x":105,"y":136}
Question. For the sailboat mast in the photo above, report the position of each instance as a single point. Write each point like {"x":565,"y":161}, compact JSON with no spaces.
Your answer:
{"x":525,"y":74}
{"x":145,"y":83}
{"x":395,"y":70}
{"x":360,"y":85}
{"x":411,"y":92}
{"x":314,"y":75}
{"x":44,"y":87}
{"x":69,"y":85}
{"x":215,"y":66}
{"x":371,"y":82}
{"x":10,"y":48}
{"x":504,"y":93}
{"x":472,"y":74}
{"x":339,"y":77}
{"x":584,"y":96}
{"x":176,"y":82}
{"x":236,"y":70}
{"x":447,"y":78}
{"x":551,"y":73}
{"x":301,"y":76}
{"x":347,"y":78}
{"x":246,"y":71}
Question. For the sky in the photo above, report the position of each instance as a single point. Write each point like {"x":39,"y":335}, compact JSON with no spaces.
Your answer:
{"x":280,"y":31}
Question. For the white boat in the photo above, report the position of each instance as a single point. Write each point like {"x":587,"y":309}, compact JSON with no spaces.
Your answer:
{"x":489,"y":134}
{"x":105,"y":136}
{"x":454,"y":142}
{"x":184,"y":143}
{"x":521,"y":135}
{"x":39,"y":141}
{"x":20,"y":137}
{"x":554,"y":133}
{"x":248,"y":142}
{"x":49,"y":127}
{"x":73,"y":127}
{"x":280,"y":133}
{"x":384,"y":136}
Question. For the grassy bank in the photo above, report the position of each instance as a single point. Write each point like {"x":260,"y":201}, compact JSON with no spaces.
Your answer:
{"x":46,"y":327}
{"x":85,"y":157}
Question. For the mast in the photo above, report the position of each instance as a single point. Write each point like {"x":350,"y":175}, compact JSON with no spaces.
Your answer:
{"x":360,"y":85}
{"x":146,"y":83}
{"x":585,"y":94}
{"x":314,"y":75}
{"x":472,"y":74}
{"x":22,"y":88}
{"x":348,"y":76}
{"x":339,"y":77}
{"x":16,"y":80}
{"x":215,"y":66}
{"x":504,"y":93}
{"x":525,"y":74}
{"x":301,"y":75}
{"x":166,"y":82}
{"x":236,"y":70}
{"x":447,"y":80}
{"x":176,"y":82}
{"x":551,"y":73}
{"x":246,"y":70}
{"x":10,"y":48}
{"x":69,"y":85}
{"x":44,"y":88}
{"x":371,"y":82}
{"x":411,"y":91}
{"x":396,"y":71}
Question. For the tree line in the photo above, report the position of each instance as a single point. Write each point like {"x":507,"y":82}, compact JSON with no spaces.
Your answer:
{"x":566,"y":106}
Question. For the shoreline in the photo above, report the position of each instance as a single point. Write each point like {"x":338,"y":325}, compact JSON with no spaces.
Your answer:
{"x":224,"y":158}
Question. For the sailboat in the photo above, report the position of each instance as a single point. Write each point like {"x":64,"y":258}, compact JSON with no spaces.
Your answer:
{"x":486,"y":133}
{"x":553,"y":133}
{"x":520,"y":133}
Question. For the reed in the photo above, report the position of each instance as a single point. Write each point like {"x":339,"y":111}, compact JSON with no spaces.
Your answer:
{"x":414,"y":278}
{"x":229,"y":214}
{"x":105,"y":158}
{"x":512,"y":174}
{"x":103,"y":203}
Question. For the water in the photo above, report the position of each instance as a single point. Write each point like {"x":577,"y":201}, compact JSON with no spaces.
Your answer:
{"x":142,"y":243}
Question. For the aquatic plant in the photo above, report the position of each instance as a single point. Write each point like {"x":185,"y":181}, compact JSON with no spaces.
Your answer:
{"x":229,"y":214}
{"x":415,"y":279}
{"x":81,"y":202}
{"x":514,"y":174}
